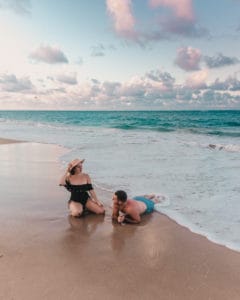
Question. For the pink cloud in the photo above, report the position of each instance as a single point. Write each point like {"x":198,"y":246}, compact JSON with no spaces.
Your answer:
{"x":123,"y":19}
{"x":188,"y":58}
{"x":182,"y":8}
{"x":180,"y":21}
{"x":197,"y":80}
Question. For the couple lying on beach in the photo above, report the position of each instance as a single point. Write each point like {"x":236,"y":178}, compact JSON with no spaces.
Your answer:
{"x":83,"y":197}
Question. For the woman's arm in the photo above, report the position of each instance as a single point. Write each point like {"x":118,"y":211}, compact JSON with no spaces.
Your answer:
{"x":92,"y":193}
{"x":65,"y":176}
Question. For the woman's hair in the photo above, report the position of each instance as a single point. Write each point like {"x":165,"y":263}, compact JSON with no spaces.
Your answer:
{"x":121,"y":195}
{"x":72,"y":172}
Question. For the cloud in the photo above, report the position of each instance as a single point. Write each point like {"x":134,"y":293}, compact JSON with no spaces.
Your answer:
{"x":215,"y":100}
{"x":121,"y":14}
{"x":48,"y":54}
{"x":177,"y":26}
{"x":95,"y":81}
{"x":181,"y":8}
{"x":111,"y":88}
{"x":98,"y":50}
{"x":188,"y":58}
{"x":18,"y":6}
{"x":155,"y":89}
{"x":164,"y":78}
{"x":197,"y":80}
{"x":180,"y":20}
{"x":220,"y":60}
{"x":68,"y":78}
{"x":177,"y":19}
{"x":10,"y":83}
{"x":230,"y":84}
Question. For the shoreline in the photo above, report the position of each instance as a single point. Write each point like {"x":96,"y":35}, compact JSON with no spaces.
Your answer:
{"x":103,"y":192}
{"x":10,"y":141}
{"x":61,"y":257}
{"x":192,"y":230}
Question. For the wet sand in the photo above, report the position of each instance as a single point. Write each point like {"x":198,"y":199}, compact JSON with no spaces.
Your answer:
{"x":44,"y":254}
{"x":9,"y":141}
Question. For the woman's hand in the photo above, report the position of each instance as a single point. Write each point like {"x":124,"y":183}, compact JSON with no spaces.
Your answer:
{"x":69,"y":167}
{"x":99,"y":203}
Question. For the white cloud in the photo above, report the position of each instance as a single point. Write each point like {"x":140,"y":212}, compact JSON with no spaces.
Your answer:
{"x":197,"y":79}
{"x":48,"y":54}
{"x":123,"y":19}
{"x":68,"y":78}
{"x":182,"y":8}
{"x":10,"y":83}
{"x":153,"y":90}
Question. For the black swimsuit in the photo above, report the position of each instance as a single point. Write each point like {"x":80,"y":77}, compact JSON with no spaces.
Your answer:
{"x":79,"y":193}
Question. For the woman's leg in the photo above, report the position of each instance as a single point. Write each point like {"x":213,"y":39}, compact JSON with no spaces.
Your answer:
{"x":76,"y":209}
{"x":92,"y":206}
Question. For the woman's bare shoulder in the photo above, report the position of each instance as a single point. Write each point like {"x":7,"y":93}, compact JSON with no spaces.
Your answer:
{"x":86,"y":176}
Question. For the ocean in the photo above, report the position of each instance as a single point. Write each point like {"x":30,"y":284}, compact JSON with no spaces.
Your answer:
{"x":190,"y":158}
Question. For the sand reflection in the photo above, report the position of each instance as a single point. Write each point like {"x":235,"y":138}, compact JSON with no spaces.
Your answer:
{"x":86,"y":225}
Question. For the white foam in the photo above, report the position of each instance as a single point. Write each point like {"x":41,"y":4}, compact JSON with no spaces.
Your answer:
{"x":229,"y":147}
{"x":164,"y":201}
{"x":201,"y":185}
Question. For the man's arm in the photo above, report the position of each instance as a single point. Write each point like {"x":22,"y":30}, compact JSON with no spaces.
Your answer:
{"x":115,"y":212}
{"x":132,"y":217}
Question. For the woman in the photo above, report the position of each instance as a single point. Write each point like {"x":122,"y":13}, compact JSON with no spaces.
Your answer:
{"x":82,"y":192}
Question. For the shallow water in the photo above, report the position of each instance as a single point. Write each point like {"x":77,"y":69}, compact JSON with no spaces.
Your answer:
{"x":190,"y":157}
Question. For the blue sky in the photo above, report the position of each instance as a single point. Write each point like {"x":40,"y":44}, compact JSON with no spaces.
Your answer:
{"x":120,"y":54}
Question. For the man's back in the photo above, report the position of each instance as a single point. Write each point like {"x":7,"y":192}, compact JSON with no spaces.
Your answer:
{"x":134,"y":206}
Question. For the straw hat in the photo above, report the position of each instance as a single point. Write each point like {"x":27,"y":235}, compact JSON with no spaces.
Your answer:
{"x":75,"y":162}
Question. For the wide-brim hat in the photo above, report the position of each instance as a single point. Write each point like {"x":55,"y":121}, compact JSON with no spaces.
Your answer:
{"x":75,"y":162}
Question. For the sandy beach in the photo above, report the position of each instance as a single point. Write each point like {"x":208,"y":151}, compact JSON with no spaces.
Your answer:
{"x":45,"y":254}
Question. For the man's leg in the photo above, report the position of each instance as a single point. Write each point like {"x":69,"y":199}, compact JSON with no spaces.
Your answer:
{"x":154,"y":198}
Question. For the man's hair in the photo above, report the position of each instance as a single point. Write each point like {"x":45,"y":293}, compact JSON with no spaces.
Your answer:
{"x":121,"y":195}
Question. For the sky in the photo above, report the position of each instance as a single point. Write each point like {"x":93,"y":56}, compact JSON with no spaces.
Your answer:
{"x":119,"y":54}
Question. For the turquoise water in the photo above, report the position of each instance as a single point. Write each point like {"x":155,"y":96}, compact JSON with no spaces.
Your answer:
{"x":190,"y":157}
{"x":199,"y":122}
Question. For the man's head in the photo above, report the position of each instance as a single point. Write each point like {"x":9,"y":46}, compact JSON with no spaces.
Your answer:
{"x":120,"y":196}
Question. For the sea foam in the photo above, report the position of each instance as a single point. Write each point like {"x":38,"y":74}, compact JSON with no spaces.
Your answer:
{"x":200,"y":182}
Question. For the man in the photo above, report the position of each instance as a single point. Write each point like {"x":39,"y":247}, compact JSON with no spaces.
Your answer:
{"x":130,"y":210}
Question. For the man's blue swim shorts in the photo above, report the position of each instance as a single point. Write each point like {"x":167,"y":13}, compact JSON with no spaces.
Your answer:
{"x":148,"y":202}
